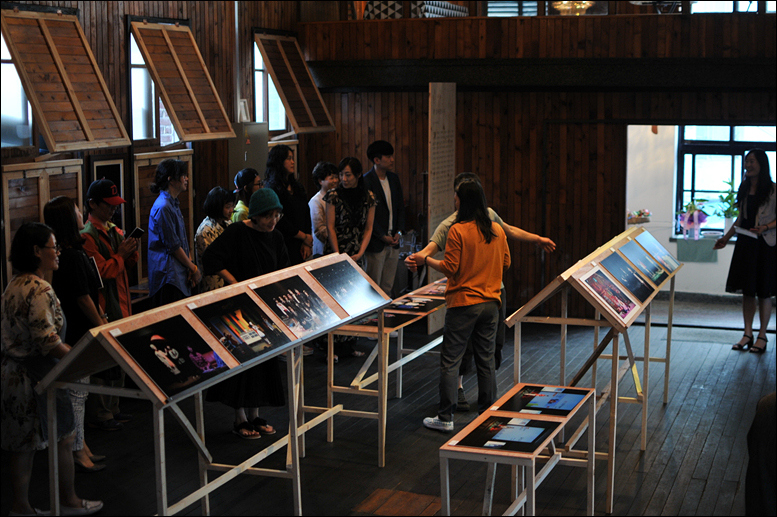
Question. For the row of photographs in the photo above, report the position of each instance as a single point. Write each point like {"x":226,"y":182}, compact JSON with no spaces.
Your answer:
{"x":625,"y":285}
{"x":174,"y":355}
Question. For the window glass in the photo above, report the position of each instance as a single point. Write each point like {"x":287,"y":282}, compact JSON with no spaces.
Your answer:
{"x":142,"y":95}
{"x":505,"y":9}
{"x":266,"y":98}
{"x":259,"y":96}
{"x":711,"y":173}
{"x":747,"y":7}
{"x":167,"y":134}
{"x":276,"y":111}
{"x":710,"y":133}
{"x":754,"y":133}
{"x":688,"y":176}
{"x":712,"y":7}
{"x":16,"y":111}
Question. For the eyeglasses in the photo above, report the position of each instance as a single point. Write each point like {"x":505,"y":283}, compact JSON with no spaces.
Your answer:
{"x":57,"y":248}
{"x":274,"y":215}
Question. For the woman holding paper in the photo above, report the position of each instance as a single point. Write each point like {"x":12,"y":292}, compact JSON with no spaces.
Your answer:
{"x":753,"y":265}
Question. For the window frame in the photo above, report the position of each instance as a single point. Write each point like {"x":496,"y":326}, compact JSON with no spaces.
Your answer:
{"x":730,"y":147}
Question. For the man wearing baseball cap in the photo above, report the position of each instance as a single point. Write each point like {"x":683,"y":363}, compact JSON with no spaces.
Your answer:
{"x":114,"y":255}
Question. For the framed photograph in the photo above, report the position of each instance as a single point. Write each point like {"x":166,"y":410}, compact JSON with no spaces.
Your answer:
{"x":509,"y":434}
{"x":644,"y":262}
{"x":434,"y":289}
{"x":110,"y":169}
{"x":348,"y":287}
{"x":172,"y":354}
{"x":545,"y":400}
{"x":415,"y":304}
{"x":612,"y":296}
{"x":298,"y":306}
{"x":241,"y":326}
{"x":628,"y":277}
{"x":659,"y":252}
{"x":390,"y":319}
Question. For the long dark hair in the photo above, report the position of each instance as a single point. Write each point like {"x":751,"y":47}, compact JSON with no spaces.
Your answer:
{"x":276,"y":176}
{"x":60,"y":215}
{"x":763,"y":188}
{"x":166,"y":170}
{"x":472,"y":207}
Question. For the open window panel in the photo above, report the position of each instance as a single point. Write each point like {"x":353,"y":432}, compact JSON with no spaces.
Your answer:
{"x":62,"y":81}
{"x":183,"y":82}
{"x":300,"y":96}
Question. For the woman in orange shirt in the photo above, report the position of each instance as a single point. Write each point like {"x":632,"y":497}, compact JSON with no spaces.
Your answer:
{"x":476,"y":256}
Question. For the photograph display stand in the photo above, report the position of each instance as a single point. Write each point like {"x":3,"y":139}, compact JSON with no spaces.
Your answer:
{"x":176,"y":351}
{"x":401,"y":313}
{"x":619,"y":279}
{"x":519,"y":439}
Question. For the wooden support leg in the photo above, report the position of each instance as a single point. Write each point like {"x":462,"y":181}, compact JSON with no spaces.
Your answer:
{"x":400,"y":345}
{"x":645,"y":380}
{"x":295,"y":356}
{"x":445,"y":487}
{"x":531,"y":486}
{"x":563,"y":366}
{"x":51,"y":410}
{"x":488,"y":497}
{"x":613,"y":423}
{"x":330,"y":382}
{"x":517,"y":353}
{"x":300,"y":370}
{"x":382,"y":390}
{"x":591,"y":468}
{"x":596,"y":342}
{"x":668,"y":340}
{"x":160,"y":462}
{"x":199,"y":416}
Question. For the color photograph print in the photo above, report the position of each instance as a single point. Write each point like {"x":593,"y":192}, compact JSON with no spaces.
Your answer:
{"x":609,"y":293}
{"x":419,"y":304}
{"x":644,"y":262}
{"x":434,"y":289}
{"x":241,"y":326}
{"x":173,"y":354}
{"x":628,"y":277}
{"x":298,"y":307}
{"x":348,"y":287}
{"x":390,"y":319}
{"x":659,"y":252}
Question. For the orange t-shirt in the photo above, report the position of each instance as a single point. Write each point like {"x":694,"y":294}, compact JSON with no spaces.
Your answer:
{"x":474,"y":268}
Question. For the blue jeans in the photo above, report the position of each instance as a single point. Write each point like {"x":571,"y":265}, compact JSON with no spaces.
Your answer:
{"x":477,"y":325}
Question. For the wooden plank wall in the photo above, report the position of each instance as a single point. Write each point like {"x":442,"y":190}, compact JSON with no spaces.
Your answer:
{"x":568,"y":146}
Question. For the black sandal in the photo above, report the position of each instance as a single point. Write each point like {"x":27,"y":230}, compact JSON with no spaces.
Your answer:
{"x":260,"y":425}
{"x":245,"y":426}
{"x":759,"y":349}
{"x":744,"y":346}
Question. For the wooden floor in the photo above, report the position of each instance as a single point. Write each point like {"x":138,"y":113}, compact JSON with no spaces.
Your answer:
{"x":694,"y":463}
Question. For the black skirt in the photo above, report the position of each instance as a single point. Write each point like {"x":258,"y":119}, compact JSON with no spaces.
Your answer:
{"x":257,"y":387}
{"x":753,"y":269}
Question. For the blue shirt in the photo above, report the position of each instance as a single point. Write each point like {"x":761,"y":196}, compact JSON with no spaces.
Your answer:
{"x":166,"y":233}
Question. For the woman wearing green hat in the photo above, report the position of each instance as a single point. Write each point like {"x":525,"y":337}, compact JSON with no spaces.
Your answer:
{"x":245,"y":250}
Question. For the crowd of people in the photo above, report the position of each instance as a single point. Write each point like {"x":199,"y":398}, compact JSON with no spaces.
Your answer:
{"x":71,"y":275}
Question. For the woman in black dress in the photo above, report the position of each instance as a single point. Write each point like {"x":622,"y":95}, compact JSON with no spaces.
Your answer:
{"x":350,"y":211}
{"x":754,"y":263}
{"x":245,"y":250}
{"x":295,"y":226}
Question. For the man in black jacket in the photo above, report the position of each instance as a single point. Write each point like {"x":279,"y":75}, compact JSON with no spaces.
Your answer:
{"x":382,"y":252}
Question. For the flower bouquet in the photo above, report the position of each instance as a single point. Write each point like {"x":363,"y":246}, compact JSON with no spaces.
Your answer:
{"x":693,"y":218}
{"x":638,"y":216}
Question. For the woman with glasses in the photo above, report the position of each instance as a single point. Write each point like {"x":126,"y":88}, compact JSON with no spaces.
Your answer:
{"x":245,"y":250}
{"x":247,"y":181}
{"x":76,"y":283}
{"x":32,"y":328}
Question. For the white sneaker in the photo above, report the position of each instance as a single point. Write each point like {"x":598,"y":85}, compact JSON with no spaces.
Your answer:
{"x":438,"y":425}
{"x":306,"y":350}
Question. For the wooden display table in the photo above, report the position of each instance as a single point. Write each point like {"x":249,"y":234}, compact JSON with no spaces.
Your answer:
{"x":518,"y":430}
{"x":402,"y":312}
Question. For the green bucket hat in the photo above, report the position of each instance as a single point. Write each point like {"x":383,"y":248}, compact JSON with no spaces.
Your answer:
{"x":263,"y":200}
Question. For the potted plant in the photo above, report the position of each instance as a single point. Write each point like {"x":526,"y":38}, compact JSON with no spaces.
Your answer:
{"x":727,"y":208}
{"x":693,"y":217}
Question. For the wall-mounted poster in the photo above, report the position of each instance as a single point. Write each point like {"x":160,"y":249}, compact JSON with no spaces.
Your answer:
{"x":295,"y":303}
{"x":173,"y":354}
{"x":241,"y":326}
{"x":644,"y":262}
{"x":659,"y":252}
{"x":348,"y":287}
{"x":628,"y":277}
{"x":609,"y":293}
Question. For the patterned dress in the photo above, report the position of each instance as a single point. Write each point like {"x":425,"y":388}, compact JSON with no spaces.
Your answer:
{"x":32,"y":320}
{"x":207,"y":232}
{"x":350,"y":221}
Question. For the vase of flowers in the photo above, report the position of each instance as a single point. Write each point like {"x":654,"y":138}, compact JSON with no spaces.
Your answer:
{"x":693,"y":218}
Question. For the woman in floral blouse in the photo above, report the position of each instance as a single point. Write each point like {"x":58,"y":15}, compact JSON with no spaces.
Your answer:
{"x":32,"y":322}
{"x":218,"y":207}
{"x":350,"y":211}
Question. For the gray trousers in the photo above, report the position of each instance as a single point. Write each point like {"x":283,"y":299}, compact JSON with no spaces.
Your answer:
{"x":382,"y":267}
{"x":477,"y":325}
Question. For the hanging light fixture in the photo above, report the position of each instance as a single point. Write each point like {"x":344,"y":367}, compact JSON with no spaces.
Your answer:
{"x":572,"y":8}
